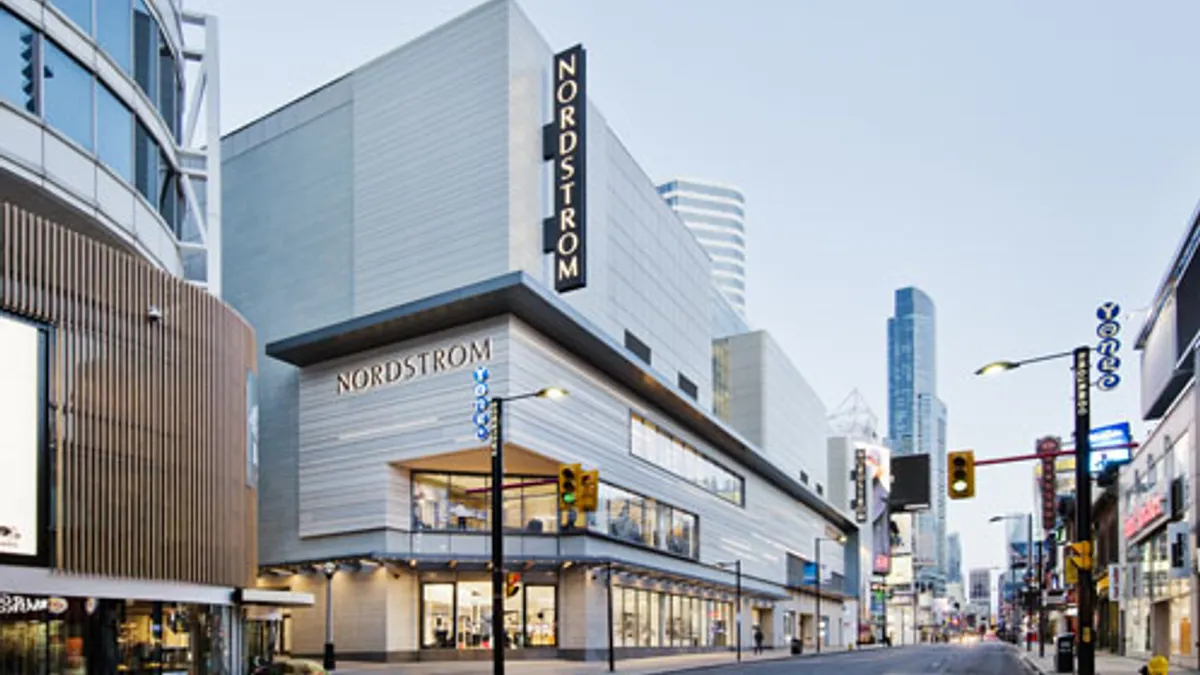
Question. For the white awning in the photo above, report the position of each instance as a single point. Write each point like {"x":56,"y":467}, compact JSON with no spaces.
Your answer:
{"x":272,"y":597}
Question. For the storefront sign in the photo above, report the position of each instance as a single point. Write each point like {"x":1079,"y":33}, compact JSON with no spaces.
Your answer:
{"x":415,"y":366}
{"x":481,"y":415}
{"x":1104,"y":442}
{"x":21,"y":420}
{"x":1145,"y":515}
{"x":566,"y":140}
{"x":22,"y":604}
{"x":1048,"y":448}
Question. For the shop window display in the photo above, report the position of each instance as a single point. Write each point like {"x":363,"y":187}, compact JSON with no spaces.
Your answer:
{"x":650,"y":618}
{"x":458,"y":615}
{"x":77,"y":636}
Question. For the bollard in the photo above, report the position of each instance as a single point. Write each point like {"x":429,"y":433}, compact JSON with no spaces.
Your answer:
{"x":1158,"y":666}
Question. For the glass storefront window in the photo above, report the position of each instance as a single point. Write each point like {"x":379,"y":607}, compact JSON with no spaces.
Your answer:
{"x":431,"y":501}
{"x":469,"y":510}
{"x":443,"y":502}
{"x":438,"y":616}
{"x":541,"y":616}
{"x":76,"y":636}
{"x":649,"y":618}
{"x":459,"y":616}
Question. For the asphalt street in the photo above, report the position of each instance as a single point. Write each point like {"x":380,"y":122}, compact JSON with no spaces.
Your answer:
{"x":989,"y":658}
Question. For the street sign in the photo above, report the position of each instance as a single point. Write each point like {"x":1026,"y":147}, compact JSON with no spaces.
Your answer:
{"x":1109,"y":363}
{"x":481,"y":415}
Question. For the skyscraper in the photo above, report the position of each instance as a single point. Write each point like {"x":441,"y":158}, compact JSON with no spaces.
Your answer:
{"x":954,"y":559}
{"x":917,"y":419}
{"x":716,"y":215}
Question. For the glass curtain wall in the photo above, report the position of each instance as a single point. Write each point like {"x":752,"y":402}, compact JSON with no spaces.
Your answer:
{"x":633,"y":518}
{"x":461,"y":502}
{"x":649,"y":618}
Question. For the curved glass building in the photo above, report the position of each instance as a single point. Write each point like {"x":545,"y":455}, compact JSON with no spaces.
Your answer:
{"x":716,"y":214}
{"x":101,"y":131}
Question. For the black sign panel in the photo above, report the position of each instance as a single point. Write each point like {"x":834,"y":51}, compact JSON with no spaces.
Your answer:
{"x":860,"y":485}
{"x":910,"y":483}
{"x":566,"y":145}
{"x":1048,"y":447}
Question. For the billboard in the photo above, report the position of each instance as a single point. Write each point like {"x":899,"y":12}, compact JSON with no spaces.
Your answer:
{"x":877,"y":466}
{"x":22,"y":434}
{"x":910,"y":482}
{"x":1101,"y":441}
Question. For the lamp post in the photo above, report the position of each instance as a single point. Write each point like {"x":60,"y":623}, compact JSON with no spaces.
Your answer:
{"x":1028,"y":569}
{"x":840,"y":539}
{"x":737,"y":613}
{"x":498,"y":521}
{"x":1081,"y":359}
{"x":330,"y":660}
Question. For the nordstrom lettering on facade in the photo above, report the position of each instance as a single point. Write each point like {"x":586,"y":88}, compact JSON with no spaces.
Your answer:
{"x":565,"y":142}
{"x":414,"y":366}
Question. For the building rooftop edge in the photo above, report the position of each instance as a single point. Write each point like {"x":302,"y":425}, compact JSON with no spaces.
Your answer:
{"x":1184,"y":253}
{"x":517,"y":294}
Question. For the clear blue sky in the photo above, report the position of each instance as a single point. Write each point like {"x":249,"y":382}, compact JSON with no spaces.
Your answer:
{"x":1020,"y":161}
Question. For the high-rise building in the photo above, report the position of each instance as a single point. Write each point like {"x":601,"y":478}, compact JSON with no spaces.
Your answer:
{"x":980,"y":585}
{"x":716,"y":214}
{"x":128,"y":388}
{"x":954,"y":559}
{"x":917,"y":419}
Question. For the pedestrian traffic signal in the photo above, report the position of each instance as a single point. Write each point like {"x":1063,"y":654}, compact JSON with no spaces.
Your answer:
{"x":568,"y":485}
{"x":589,"y":491}
{"x":962,"y":474}
{"x":512,"y":584}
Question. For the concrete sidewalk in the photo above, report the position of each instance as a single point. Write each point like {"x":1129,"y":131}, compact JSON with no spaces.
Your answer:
{"x":1106,"y":664}
{"x":644,"y":666}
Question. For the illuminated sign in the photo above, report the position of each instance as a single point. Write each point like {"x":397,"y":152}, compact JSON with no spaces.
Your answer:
{"x":565,"y":142}
{"x":22,"y":413}
{"x":860,"y":485}
{"x":1102,"y":442}
{"x":1048,"y":447}
{"x":1145,"y":515}
{"x":415,"y":366}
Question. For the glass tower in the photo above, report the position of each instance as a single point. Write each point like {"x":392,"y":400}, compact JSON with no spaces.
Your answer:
{"x":917,"y":420}
{"x":716,"y":215}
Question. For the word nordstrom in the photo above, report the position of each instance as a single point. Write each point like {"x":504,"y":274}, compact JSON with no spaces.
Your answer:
{"x":415,"y":366}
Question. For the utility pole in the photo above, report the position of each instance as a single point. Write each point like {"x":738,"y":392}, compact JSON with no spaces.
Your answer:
{"x":1083,"y":506}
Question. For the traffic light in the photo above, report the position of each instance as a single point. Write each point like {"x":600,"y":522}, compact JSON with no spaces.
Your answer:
{"x":1081,"y":555}
{"x":962,"y":474}
{"x":512,"y":584}
{"x":568,"y":485}
{"x":589,"y":491}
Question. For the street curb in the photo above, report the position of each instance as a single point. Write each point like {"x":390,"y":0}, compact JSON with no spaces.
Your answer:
{"x":753,"y":664}
{"x":1033,"y":667}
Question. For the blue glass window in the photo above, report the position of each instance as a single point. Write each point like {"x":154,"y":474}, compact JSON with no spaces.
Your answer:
{"x":67,"y":96}
{"x":18,"y":59}
{"x":145,"y":50}
{"x":114,"y":31}
{"x":79,"y":11}
{"x":115,"y":142}
{"x":168,"y":87}
{"x":147,"y":164}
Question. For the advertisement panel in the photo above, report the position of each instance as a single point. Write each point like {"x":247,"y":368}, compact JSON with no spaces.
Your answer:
{"x":22,"y":421}
{"x":876,"y":461}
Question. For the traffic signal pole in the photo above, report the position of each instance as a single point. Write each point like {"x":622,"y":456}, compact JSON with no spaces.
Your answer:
{"x":1085,"y":640}
{"x":498,"y":541}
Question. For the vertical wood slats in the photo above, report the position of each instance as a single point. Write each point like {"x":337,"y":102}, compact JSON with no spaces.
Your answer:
{"x":150,"y":428}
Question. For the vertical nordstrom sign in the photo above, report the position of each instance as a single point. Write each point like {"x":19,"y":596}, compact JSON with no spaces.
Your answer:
{"x":565,"y":142}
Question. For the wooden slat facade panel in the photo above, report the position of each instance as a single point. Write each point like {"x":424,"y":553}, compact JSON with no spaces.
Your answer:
{"x":149,"y":433}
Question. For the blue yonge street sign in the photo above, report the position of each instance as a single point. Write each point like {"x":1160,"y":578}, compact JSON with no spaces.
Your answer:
{"x":1109,"y":345}
{"x":481,"y":414}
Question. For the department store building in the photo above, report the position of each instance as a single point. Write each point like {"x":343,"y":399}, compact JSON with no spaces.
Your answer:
{"x":388,"y":237}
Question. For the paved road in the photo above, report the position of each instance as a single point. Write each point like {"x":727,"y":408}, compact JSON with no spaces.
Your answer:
{"x":979,"y":659}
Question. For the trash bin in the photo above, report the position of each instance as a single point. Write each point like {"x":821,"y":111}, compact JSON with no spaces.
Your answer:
{"x":1064,"y":653}
{"x":797,"y":646}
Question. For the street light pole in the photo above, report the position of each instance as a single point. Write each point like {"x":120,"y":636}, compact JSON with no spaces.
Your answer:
{"x":1029,"y":571}
{"x":498,"y":521}
{"x":330,"y":660}
{"x":1083,"y":505}
{"x":498,"y":540}
{"x":819,"y":631}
